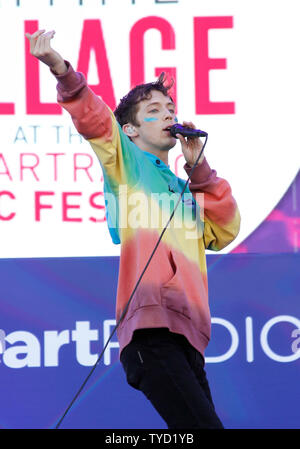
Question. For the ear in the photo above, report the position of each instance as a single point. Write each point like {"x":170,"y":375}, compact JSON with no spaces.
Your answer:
{"x":130,"y":130}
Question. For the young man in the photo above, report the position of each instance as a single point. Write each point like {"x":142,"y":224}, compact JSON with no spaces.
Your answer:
{"x":166,"y":328}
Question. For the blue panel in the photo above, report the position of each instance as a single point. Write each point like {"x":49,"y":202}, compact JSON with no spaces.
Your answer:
{"x":255,"y":387}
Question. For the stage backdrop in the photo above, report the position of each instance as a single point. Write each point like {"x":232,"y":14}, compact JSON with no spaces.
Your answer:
{"x":57,"y":313}
{"x":237,"y":78}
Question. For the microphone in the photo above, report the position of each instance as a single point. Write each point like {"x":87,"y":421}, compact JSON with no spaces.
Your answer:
{"x":186,"y":132}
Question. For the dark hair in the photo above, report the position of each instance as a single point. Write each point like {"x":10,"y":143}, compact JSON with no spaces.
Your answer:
{"x":128,"y":106}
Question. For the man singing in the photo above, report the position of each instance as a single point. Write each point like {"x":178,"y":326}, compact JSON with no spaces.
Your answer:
{"x":166,"y":328}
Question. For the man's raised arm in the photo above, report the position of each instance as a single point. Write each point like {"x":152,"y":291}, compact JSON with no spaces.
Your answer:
{"x":92,"y":118}
{"x":89,"y":113}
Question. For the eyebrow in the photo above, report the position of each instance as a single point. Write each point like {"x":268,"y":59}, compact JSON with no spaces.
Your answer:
{"x":157,"y":103}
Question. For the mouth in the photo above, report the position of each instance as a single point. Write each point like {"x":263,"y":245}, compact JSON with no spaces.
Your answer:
{"x":167,"y":129}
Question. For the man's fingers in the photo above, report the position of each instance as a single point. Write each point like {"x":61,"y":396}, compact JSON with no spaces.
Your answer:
{"x":33,"y":38}
{"x":41,"y":49}
{"x":182,"y":139}
{"x":50,"y":36}
{"x":189,"y":125}
{"x":37,"y":34}
{"x":38,"y":46}
{"x":42,"y":44}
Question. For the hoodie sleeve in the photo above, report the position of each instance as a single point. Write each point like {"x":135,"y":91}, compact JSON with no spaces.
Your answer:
{"x":94,"y":120}
{"x":221,"y":214}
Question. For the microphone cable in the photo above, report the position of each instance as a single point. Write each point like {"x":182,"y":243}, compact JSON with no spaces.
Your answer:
{"x":133,"y":292}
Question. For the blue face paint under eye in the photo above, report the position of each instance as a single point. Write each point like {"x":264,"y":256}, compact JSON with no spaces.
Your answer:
{"x":150,"y":119}
{"x":176,"y":120}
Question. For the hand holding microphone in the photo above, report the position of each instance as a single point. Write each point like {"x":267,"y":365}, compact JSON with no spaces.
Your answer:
{"x":192,"y":146}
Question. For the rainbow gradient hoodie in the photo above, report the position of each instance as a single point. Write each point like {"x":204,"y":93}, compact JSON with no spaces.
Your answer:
{"x":140,"y":192}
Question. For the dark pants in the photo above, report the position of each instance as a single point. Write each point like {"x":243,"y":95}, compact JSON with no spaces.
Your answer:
{"x":170,"y":372}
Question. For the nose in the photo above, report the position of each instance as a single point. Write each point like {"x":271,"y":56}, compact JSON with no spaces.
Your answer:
{"x":168,"y":115}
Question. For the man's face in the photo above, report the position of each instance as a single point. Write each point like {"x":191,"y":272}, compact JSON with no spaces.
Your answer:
{"x":154,"y":116}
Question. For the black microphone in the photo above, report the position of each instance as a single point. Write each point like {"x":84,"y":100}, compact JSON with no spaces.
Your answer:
{"x":186,"y":132}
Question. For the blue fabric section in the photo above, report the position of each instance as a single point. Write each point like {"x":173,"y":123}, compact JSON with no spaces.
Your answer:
{"x":148,"y":180}
{"x":254,"y":383}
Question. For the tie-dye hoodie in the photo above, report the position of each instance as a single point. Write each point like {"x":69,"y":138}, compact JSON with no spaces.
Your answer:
{"x":140,"y":192}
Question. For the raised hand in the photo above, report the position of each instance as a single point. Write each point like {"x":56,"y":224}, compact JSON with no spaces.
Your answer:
{"x":40,"y":48}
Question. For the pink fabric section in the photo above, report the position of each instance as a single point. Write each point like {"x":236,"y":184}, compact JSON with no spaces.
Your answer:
{"x":219,"y":204}
{"x":172,"y":294}
{"x":89,"y":113}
